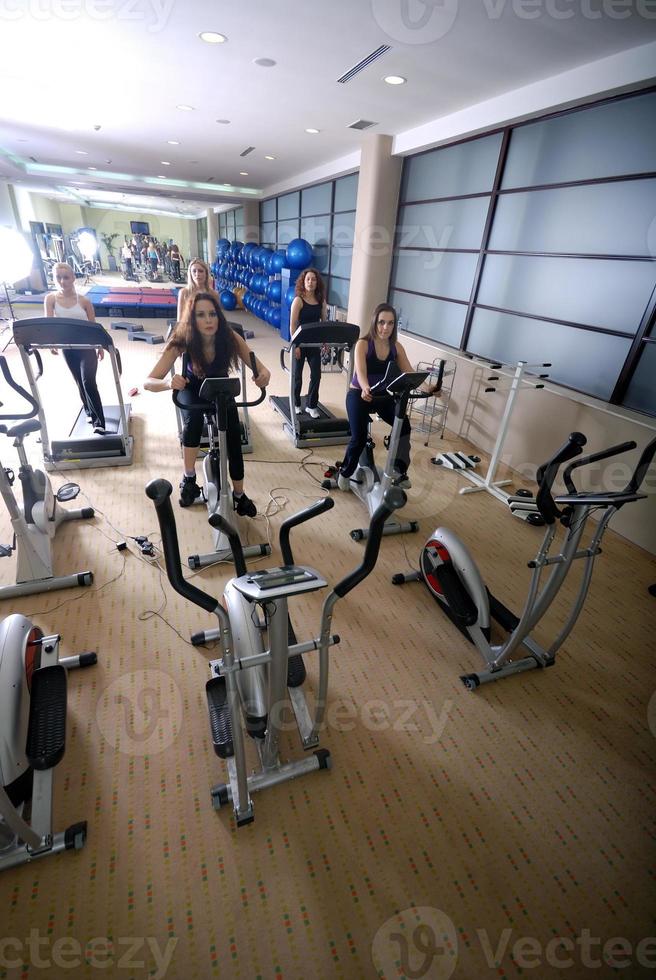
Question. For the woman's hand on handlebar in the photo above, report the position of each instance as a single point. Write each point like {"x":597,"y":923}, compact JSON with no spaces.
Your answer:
{"x":263,"y":378}
{"x":366,"y":394}
{"x":178,"y":382}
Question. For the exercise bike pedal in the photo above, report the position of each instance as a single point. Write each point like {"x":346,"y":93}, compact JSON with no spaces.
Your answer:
{"x":46,"y":733}
{"x":220,"y":721}
{"x":296,"y":672}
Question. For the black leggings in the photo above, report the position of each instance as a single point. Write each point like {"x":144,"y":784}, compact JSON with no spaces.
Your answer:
{"x":359,"y":414}
{"x":83,"y":365}
{"x":192,"y":429}
{"x":313,"y":356}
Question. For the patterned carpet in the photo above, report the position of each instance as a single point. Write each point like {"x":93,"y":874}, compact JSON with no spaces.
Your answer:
{"x":504,"y":833}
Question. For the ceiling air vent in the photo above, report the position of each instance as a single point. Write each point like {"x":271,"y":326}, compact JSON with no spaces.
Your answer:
{"x":361,"y":124}
{"x":249,"y":149}
{"x":361,"y":65}
{"x":34,"y":159}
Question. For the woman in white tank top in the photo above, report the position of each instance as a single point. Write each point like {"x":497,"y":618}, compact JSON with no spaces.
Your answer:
{"x":83,"y":364}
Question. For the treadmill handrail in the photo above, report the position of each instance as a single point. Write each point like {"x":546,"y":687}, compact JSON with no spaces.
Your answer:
{"x":60,"y":332}
{"x":329,"y":332}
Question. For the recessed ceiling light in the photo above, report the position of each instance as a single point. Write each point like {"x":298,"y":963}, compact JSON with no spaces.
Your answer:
{"x":269,"y":158}
{"x":264,"y":62}
{"x":173,"y":142}
{"x":212,"y":37}
{"x":395,"y":79}
{"x":92,"y":168}
{"x":185,"y":108}
{"x":224,"y":122}
{"x":83,"y":153}
{"x":161,"y":176}
{"x":165,"y":163}
{"x":313,"y":132}
{"x":243,"y":173}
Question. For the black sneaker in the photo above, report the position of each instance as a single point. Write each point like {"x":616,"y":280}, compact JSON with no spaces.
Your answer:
{"x":189,"y":491}
{"x":244,"y":506}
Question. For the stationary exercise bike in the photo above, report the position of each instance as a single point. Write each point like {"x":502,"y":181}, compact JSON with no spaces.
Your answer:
{"x":32,"y":741}
{"x":452,"y":578}
{"x":36,"y":524}
{"x":219,"y":392}
{"x":367,"y":482}
{"x":244,"y":651}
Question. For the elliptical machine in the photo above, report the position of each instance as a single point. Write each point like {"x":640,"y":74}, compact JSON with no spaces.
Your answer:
{"x":32,"y":741}
{"x":219,"y":392}
{"x":453,"y":579}
{"x":36,"y":524}
{"x":244,"y":652}
{"x":367,"y":482}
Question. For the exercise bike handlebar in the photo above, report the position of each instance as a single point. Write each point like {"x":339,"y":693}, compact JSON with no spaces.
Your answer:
{"x":320,"y":507}
{"x":34,"y":407}
{"x":547,"y":474}
{"x":219,"y":523}
{"x":641,"y":469}
{"x":203,"y":406}
{"x":159,"y":491}
{"x":393,"y":499}
{"x":622,"y":447}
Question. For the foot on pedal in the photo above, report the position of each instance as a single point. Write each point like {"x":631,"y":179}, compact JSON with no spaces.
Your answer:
{"x":244,"y":505}
{"x":343,"y":482}
{"x":189,"y":491}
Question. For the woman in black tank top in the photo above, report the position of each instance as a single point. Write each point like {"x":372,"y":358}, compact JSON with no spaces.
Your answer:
{"x":308,"y":306}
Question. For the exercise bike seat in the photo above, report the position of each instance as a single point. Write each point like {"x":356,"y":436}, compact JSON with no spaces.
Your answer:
{"x":22,"y":429}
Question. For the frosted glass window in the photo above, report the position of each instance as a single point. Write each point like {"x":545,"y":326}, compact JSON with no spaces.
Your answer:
{"x":317,"y":200}
{"x":435,"y":319}
{"x":239,"y":232}
{"x":268,"y":210}
{"x":289,"y":205}
{"x":598,"y":292}
{"x":316,"y":230}
{"x":641,"y":393}
{"x":439,"y":273}
{"x":222,"y":225}
{"x":338,"y":292}
{"x":340,"y":262}
{"x":287,"y":230}
{"x":467,"y":168}
{"x":239,"y":216}
{"x":581,"y":359}
{"x":602,"y":219}
{"x":346,"y":193}
{"x":343,"y":229}
{"x":230,"y":225}
{"x":268,"y":233}
{"x":604,"y":141}
{"x":451,"y":224}
{"x":321,"y":257}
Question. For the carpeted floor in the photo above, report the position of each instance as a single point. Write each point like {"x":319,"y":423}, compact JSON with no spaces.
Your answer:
{"x":499,"y":834}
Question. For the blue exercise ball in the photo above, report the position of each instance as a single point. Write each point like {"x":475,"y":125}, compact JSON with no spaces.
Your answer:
{"x":276,"y":316}
{"x":277,"y":262}
{"x":290,"y":294}
{"x":275,"y":291}
{"x":299,"y":254}
{"x":222,"y":247}
{"x":228,"y":300}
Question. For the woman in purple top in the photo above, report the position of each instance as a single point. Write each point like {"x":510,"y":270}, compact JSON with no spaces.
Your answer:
{"x":373,"y":354}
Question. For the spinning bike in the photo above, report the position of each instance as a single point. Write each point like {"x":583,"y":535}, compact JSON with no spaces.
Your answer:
{"x":219,"y":393}
{"x":244,"y":651}
{"x":453,"y":579}
{"x":367,"y":483}
{"x":36,"y":524}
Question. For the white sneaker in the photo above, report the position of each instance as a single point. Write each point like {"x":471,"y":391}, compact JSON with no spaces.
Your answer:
{"x":298,"y":409}
{"x":343,"y":482}
{"x":313,"y":413}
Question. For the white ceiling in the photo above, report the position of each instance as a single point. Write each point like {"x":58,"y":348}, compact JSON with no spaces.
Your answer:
{"x":105,"y":77}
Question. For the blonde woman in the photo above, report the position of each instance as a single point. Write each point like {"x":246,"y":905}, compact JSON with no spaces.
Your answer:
{"x":199,"y":280}
{"x":83,"y":364}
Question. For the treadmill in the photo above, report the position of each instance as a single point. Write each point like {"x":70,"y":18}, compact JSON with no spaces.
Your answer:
{"x":81,"y":449}
{"x":327,"y":430}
